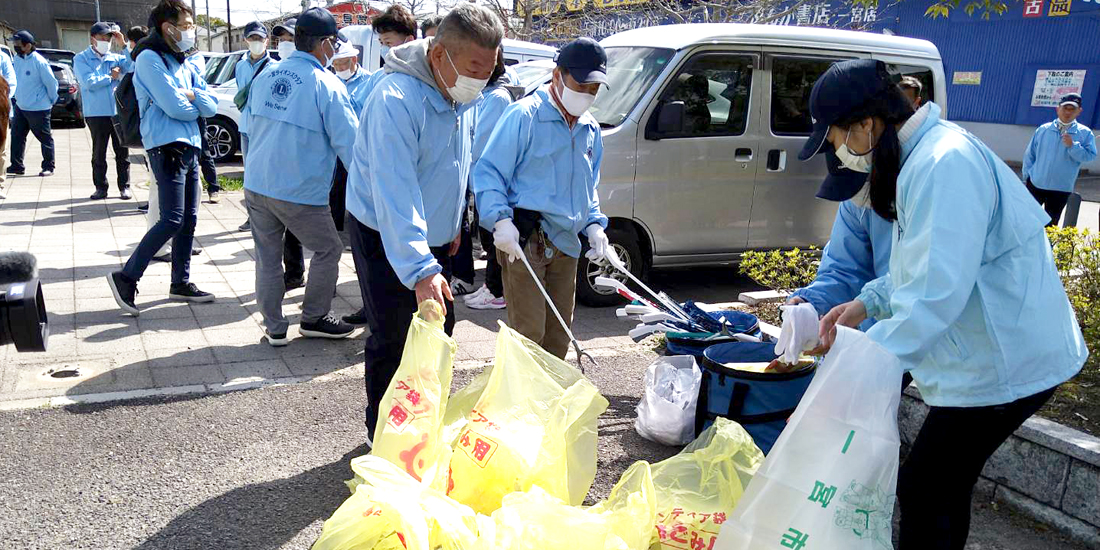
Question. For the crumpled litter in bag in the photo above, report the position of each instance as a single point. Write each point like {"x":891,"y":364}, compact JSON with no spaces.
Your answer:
{"x":533,"y":423}
{"x":666,"y":412}
{"x":389,"y":510}
{"x":698,"y":489}
{"x":536,"y":520}
{"x":411,"y":412}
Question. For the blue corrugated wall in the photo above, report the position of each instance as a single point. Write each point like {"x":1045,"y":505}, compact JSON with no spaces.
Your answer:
{"x":1008,"y":50}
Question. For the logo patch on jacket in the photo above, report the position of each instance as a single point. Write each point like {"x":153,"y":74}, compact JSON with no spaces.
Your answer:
{"x":281,"y":89}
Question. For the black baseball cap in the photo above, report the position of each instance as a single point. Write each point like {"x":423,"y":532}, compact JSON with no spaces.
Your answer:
{"x":23,"y":36}
{"x":843,"y":88}
{"x":100,"y":28}
{"x":286,"y":26}
{"x":255,"y":28}
{"x":316,"y":22}
{"x":585,"y":60}
{"x":1074,"y":99}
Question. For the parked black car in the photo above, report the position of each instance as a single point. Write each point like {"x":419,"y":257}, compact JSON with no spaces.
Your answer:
{"x":57,"y":56}
{"x":68,"y":107}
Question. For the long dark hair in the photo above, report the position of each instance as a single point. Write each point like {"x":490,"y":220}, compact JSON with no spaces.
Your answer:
{"x":889,"y":107}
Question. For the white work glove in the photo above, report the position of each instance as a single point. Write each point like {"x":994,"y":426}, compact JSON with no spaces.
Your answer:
{"x":597,"y":242}
{"x":800,"y":329}
{"x":506,"y":238}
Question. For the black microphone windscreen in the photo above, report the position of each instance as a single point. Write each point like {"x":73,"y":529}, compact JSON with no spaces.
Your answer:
{"x":16,"y":267}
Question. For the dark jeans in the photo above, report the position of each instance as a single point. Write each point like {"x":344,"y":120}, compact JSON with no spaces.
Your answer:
{"x":37,"y":123}
{"x":389,"y":308}
{"x":176,"y":168}
{"x":494,"y":281}
{"x":206,"y":162}
{"x":294,"y":260}
{"x":1051,"y":201}
{"x":936,"y":483}
{"x":464,"y":260}
{"x":103,"y":132}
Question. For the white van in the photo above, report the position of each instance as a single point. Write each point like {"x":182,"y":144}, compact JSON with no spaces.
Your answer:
{"x":702,"y":125}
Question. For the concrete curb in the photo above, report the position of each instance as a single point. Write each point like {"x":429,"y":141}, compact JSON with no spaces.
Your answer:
{"x":1045,"y":470}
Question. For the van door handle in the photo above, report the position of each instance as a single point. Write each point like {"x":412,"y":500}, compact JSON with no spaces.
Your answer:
{"x":777,"y":160}
{"x":742,"y":154}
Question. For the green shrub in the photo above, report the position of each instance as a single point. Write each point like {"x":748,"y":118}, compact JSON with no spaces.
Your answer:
{"x":782,"y":270}
{"x":1077,"y":256}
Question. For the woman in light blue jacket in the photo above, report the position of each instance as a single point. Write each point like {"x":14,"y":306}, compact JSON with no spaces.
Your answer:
{"x":972,"y":304}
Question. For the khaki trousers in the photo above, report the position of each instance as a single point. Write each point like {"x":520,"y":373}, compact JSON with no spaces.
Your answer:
{"x":528,"y":312}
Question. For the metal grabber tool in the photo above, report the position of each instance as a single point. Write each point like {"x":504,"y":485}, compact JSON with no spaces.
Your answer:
{"x":581,"y":354}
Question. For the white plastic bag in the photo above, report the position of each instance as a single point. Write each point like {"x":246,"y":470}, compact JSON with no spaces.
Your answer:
{"x":666,"y":413}
{"x":829,"y":481}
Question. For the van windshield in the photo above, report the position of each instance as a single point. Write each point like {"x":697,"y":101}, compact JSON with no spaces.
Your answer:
{"x":630,"y":73}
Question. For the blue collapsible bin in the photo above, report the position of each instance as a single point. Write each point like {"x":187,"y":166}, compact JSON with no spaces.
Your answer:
{"x":737,"y":322}
{"x":760,"y":402}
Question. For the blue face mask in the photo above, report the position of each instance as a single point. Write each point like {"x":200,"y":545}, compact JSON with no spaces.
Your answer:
{"x":385,"y":50}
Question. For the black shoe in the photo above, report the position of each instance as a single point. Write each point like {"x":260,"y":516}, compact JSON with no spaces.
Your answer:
{"x":357,"y":318}
{"x":276,"y":340}
{"x":188,"y":292}
{"x":124,"y":291}
{"x":16,"y":171}
{"x":246,"y":226}
{"x":195,"y":251}
{"x":144,"y":207}
{"x":45,"y":173}
{"x":326,"y":327}
{"x":294,"y":282}
{"x":99,"y":195}
{"x":125,"y":194}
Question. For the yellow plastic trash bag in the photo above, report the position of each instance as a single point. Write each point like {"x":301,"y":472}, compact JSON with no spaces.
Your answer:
{"x":535,"y":520}
{"x":411,"y":412}
{"x":533,"y":423}
{"x":698,"y":489}
{"x":389,"y":510}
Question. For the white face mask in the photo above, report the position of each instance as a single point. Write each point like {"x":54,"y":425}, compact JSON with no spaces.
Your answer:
{"x":285,"y":49}
{"x":466,"y":89}
{"x":257,"y":48}
{"x":102,"y":46}
{"x":345,"y":74}
{"x":576,"y":103}
{"x":186,"y":40}
{"x":852,"y":161}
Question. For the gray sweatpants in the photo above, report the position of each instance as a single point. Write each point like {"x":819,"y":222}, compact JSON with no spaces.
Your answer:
{"x":314,"y":227}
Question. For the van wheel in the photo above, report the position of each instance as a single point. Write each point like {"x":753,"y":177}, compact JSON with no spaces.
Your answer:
{"x":222,"y":140}
{"x":626,"y":246}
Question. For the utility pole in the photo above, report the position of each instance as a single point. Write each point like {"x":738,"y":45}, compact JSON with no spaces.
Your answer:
{"x":228,"y":26}
{"x":97,"y":17}
{"x":208,"y":38}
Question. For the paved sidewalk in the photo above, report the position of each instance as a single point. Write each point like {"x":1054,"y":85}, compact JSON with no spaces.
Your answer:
{"x":175,"y":347}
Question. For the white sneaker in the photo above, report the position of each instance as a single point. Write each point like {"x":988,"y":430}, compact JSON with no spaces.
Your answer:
{"x":476,"y":295}
{"x":490,"y":302}
{"x":460,"y":287}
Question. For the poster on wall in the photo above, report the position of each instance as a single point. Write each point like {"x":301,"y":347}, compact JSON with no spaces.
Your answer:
{"x":1050,"y":86}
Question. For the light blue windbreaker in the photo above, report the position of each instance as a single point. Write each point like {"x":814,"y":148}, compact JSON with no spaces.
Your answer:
{"x":97,"y":88}
{"x":37,"y":84}
{"x":973,"y":304}
{"x":7,"y":70}
{"x":302,"y":119}
{"x":858,"y":251}
{"x":167,"y":116}
{"x":490,"y":106}
{"x":1053,"y":166}
{"x":535,"y":161}
{"x":359,"y":88}
{"x":243,"y":73}
{"x":412,"y":161}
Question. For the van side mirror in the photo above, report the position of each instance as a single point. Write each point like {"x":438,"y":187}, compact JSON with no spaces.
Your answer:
{"x":670,"y":120}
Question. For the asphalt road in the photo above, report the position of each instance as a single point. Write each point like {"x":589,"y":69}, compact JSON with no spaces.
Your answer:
{"x":260,"y":469}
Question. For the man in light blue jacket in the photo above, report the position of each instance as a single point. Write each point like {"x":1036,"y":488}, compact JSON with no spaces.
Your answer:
{"x":99,"y":71}
{"x":34,"y":98}
{"x":540,"y":172}
{"x":1055,"y":155}
{"x":7,"y":72}
{"x":302,"y":120}
{"x":407,"y":183}
{"x":171,"y":98}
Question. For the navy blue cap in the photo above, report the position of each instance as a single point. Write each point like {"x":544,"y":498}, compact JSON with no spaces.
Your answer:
{"x":287,"y":26}
{"x":843,"y":88}
{"x":23,"y":36}
{"x":255,"y":28}
{"x":316,"y":22}
{"x":100,"y":28}
{"x":1071,"y":98}
{"x":841,"y":183}
{"x":585,"y":60}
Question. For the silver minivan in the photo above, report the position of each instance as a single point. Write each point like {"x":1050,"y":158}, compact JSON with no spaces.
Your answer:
{"x":702,"y":124}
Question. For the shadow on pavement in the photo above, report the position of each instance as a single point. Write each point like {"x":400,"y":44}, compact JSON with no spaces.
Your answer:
{"x":261,"y":515}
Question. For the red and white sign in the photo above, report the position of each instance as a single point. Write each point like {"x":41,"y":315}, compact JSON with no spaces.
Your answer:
{"x":1052,"y":85}
{"x":1033,"y":8}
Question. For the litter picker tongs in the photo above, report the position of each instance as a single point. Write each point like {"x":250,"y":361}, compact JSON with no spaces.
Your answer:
{"x":581,"y":354}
